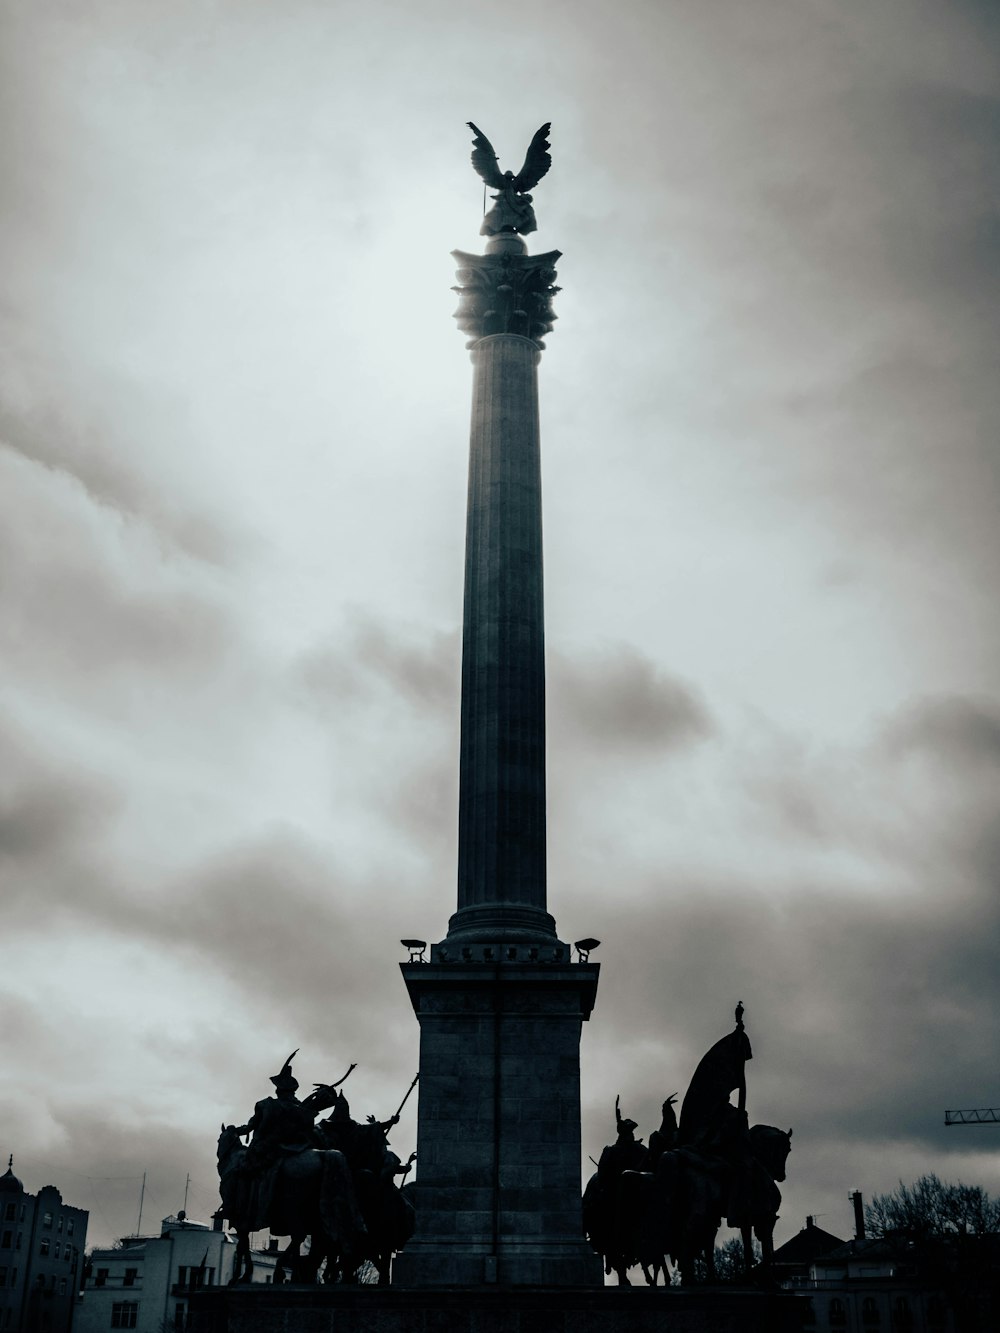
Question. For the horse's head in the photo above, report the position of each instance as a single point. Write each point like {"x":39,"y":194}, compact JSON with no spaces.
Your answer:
{"x":771,"y":1147}
{"x":229,"y":1143}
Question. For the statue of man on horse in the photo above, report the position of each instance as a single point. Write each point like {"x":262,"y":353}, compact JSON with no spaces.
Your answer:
{"x":709,"y":1166}
{"x":333,"y":1182}
{"x":287,"y":1181}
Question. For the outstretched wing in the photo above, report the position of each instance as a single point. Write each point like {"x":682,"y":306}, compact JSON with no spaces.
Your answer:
{"x":537,"y":162}
{"x":484,"y":159}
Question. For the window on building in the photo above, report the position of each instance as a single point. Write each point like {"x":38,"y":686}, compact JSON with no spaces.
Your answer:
{"x":101,"y":1278}
{"x":870,"y":1313}
{"x":47,"y":1220}
{"x":130,"y":1276}
{"x":69,"y":1226}
{"x":10,"y":1212}
{"x":809,"y":1317}
{"x":17,"y":1246}
{"x":3,"y":1276}
{"x":60,"y":1226}
{"x":44,"y":1246}
{"x":180,"y":1320}
{"x":838,"y":1315}
{"x":194,"y":1278}
{"x":55,"y":1250}
{"x":62,"y":1286}
{"x":6,"y":1240}
{"x":124,"y":1314}
{"x":13,"y":1277}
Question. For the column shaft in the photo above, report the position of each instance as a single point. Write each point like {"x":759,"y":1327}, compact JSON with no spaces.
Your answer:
{"x":501,"y":847}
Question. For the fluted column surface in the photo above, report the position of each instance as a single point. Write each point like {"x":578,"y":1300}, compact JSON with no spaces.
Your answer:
{"x":501,"y":855}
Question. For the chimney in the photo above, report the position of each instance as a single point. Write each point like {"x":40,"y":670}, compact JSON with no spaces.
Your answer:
{"x":859,"y":1214}
{"x":217,"y":1220}
{"x":810,"y":1223}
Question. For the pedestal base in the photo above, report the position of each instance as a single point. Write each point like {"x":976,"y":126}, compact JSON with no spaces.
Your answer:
{"x":497,"y":1193}
{"x":264,"y":1309}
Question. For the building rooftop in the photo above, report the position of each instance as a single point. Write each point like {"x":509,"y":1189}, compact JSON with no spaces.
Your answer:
{"x":9,"y":1183}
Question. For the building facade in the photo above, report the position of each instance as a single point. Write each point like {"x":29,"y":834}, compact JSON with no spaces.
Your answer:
{"x":871,"y":1286}
{"x":145,"y":1282}
{"x":42,"y":1242}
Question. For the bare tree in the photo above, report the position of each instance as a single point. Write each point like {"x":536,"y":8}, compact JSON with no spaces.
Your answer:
{"x":933,"y":1208}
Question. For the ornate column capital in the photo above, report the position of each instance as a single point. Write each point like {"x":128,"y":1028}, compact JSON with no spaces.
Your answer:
{"x":505,"y":292}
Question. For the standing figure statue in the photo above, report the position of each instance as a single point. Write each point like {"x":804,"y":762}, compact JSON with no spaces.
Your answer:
{"x":512,"y":211}
{"x":609,"y":1204}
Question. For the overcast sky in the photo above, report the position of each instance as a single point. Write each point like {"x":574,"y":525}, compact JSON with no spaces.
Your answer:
{"x":233,"y":452}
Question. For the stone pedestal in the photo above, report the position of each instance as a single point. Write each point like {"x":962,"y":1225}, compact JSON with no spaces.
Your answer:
{"x":498,"y":1186}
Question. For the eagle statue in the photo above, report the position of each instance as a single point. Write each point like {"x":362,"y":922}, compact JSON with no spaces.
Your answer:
{"x":512,"y":211}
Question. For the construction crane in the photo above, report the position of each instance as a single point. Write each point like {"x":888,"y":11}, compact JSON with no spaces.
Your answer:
{"x":986,"y":1115}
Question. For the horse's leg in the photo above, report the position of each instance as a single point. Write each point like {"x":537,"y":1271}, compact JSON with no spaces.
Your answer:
{"x":288,"y":1260}
{"x":244,"y":1257}
{"x":382,"y":1263}
{"x":746,"y":1234}
{"x":305,"y":1265}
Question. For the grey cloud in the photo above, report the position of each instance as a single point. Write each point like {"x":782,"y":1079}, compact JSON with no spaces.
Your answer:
{"x":53,"y":823}
{"x":962,"y":731}
{"x":422,"y":670}
{"x":41,"y":819}
{"x":87,"y":589}
{"x":87,"y":430}
{"x":622,"y":701}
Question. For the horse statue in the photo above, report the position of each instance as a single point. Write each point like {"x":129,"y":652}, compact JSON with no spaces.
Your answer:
{"x":312,"y":1195}
{"x":756,"y":1212}
{"x":389,"y":1216}
{"x":234,"y":1188}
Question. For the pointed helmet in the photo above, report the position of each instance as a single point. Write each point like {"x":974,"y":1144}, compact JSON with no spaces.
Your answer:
{"x":285,"y":1081}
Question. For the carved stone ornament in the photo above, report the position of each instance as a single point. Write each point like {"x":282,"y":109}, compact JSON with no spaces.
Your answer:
{"x":506,"y":293}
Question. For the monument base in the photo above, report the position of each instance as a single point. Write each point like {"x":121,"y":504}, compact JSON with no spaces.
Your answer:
{"x":292,"y":1309}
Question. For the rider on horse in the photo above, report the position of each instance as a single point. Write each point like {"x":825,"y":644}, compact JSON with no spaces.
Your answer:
{"x":282,"y":1126}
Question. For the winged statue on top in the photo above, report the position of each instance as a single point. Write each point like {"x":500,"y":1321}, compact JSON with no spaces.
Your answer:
{"x":511,"y":211}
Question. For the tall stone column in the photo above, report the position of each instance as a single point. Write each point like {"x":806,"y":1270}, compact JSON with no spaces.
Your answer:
{"x":501,"y":1003}
{"x":501,"y":819}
